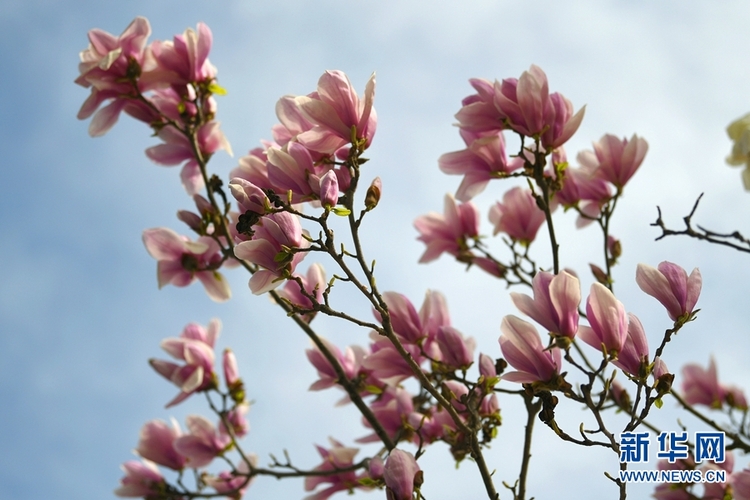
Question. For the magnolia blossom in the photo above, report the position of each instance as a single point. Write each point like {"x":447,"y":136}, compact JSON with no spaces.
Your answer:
{"x":249,"y":196}
{"x":608,"y":320}
{"x":456,"y":351}
{"x":739,"y":132}
{"x":234,"y":484}
{"x":448,"y":232}
{"x":107,"y":66}
{"x":399,"y":474}
{"x":633,"y":355}
{"x":185,"y":59}
{"x":740,"y":482}
{"x":142,"y":479}
{"x":337,"y":457}
{"x":350,"y":361}
{"x":671,"y":285}
{"x":531,"y":110}
{"x":483,"y":159}
{"x":392,"y":409}
{"x":195,"y":347}
{"x":157,"y":444}
{"x":203,"y":444}
{"x":314,"y":284}
{"x":276,"y":236}
{"x":619,"y":158}
{"x":701,"y":386}
{"x":336,"y":110}
{"x":523,"y":350}
{"x":583,"y":188}
{"x":180,"y":261}
{"x":555,"y":302}
{"x":478,"y":113}
{"x":518,"y":215}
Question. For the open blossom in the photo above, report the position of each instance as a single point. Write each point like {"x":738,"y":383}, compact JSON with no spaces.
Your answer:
{"x":276,"y":236}
{"x":531,"y":110}
{"x":157,"y":444}
{"x":234,"y":484}
{"x":671,"y":285}
{"x":518,"y":215}
{"x":608,"y":320}
{"x":185,"y":59}
{"x":195,"y":347}
{"x":448,"y":232}
{"x":478,"y":113}
{"x":739,"y":132}
{"x":350,"y":361}
{"x":555,"y":302}
{"x":107,"y":66}
{"x":314,"y":283}
{"x":523,"y":350}
{"x":584,"y":188}
{"x":456,"y":350}
{"x":142,"y":479}
{"x":619,"y":158}
{"x":202,"y":444}
{"x":336,"y":457}
{"x":335,"y":109}
{"x":180,"y":261}
{"x":483,"y":159}
{"x":399,"y":473}
{"x":701,"y":386}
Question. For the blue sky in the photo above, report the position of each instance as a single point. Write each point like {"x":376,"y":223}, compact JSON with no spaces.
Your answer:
{"x":80,"y":312}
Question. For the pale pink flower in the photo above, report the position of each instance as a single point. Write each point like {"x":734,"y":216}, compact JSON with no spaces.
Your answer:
{"x":487,"y":366}
{"x":583,"y":188}
{"x":291,"y":168}
{"x":405,"y":320}
{"x":231,"y":373}
{"x":180,"y":261}
{"x":448,"y":232}
{"x":142,"y":479}
{"x":349,"y":360}
{"x":608,"y":320}
{"x":337,"y":457}
{"x":252,"y":167}
{"x":634,"y":351}
{"x":375,"y":467}
{"x":670,"y":491}
{"x":107,"y":66}
{"x":203,"y":444}
{"x":518,"y":215}
{"x":400,"y":471}
{"x":386,"y":364}
{"x":185,"y":59}
{"x":523,"y":350}
{"x":701,"y":386}
{"x":478,"y":113}
{"x":530,"y":110}
{"x":555,"y":303}
{"x":456,"y":351}
{"x":234,"y":484}
{"x":156,"y":444}
{"x":314,"y":283}
{"x":335,"y":110}
{"x":276,"y":236}
{"x":329,"y":190}
{"x":483,"y":159}
{"x":237,"y":420}
{"x":195,"y":347}
{"x":740,"y":482}
{"x":671,"y":285}
{"x":249,"y":196}
{"x":619,"y":158}
{"x":392,"y":409}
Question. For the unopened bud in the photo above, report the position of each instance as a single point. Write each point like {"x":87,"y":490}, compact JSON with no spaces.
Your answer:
{"x":192,"y":220}
{"x":373,"y":194}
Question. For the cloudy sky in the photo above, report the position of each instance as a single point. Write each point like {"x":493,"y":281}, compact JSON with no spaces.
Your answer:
{"x":80,"y":312}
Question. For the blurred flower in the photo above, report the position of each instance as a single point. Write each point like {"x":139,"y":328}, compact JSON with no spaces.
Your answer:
{"x":142,"y":479}
{"x":157,"y":444}
{"x":337,"y":457}
{"x":518,"y":215}
{"x":203,"y":444}
{"x":739,"y":132}
{"x":400,"y":472}
{"x":619,"y":158}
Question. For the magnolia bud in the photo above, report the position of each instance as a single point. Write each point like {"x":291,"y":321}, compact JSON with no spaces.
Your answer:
{"x":373,"y":194}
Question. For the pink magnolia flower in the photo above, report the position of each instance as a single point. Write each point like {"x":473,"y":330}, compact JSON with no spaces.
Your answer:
{"x":337,"y":457}
{"x":671,"y":285}
{"x":400,"y":471}
{"x":518,"y":215}
{"x":478,"y":113}
{"x":484,"y":159}
{"x":392,"y":409}
{"x":180,"y":261}
{"x":109,"y":66}
{"x":177,"y":149}
{"x":185,"y":59}
{"x":276,"y":236}
{"x":252,"y":167}
{"x":487,"y":366}
{"x":329,"y":190}
{"x":555,"y":302}
{"x":609,"y":323}
{"x":349,"y":360}
{"x":142,"y":479}
{"x":633,"y":355}
{"x":448,"y":232}
{"x":157,"y":444}
{"x":291,"y":168}
{"x":740,"y":482}
{"x":456,"y":351}
{"x":335,"y":110}
{"x":234,"y":484}
{"x":249,"y":196}
{"x":524,"y":351}
{"x":195,"y":347}
{"x":530,"y":110}
{"x":701,"y":386}
{"x":583,"y":188}
{"x":619,"y":158}
{"x":203,"y":444}
{"x":314,"y":284}
{"x":236,"y":420}
{"x":718,"y":490}
{"x":386,"y":364}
